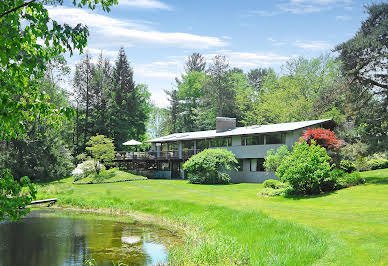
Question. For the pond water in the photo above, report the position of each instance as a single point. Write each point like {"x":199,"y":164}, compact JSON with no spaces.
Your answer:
{"x":47,"y":237}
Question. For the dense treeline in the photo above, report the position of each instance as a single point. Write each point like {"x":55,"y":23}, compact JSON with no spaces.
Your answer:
{"x":106,"y":100}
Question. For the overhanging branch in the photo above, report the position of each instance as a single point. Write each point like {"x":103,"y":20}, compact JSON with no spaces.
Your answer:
{"x":16,"y":8}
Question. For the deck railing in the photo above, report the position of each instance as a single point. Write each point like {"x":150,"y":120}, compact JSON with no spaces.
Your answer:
{"x":153,"y":155}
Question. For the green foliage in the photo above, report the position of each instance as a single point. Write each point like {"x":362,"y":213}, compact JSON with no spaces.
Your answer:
{"x":101,"y":149}
{"x":374,"y":164}
{"x":273,"y":183}
{"x":305,"y":168}
{"x":347,"y":166}
{"x":273,"y":160}
{"x":273,"y":192}
{"x":109,"y":176}
{"x":210,"y":166}
{"x":12,"y":199}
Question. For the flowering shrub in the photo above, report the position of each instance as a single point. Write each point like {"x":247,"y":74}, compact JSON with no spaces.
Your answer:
{"x":323,"y":137}
{"x":86,"y":168}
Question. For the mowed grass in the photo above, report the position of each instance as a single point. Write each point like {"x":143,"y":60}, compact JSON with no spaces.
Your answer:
{"x":110,"y":176}
{"x":231,"y":224}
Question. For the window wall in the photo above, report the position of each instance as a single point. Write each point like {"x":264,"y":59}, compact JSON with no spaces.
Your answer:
{"x":257,"y":165}
{"x":277,"y":138}
{"x":221,"y":142}
{"x":252,"y":140}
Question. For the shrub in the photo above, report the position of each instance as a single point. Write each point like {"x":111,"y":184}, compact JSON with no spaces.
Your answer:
{"x":323,"y":137}
{"x":273,"y":183}
{"x":353,"y":179}
{"x":85,"y":169}
{"x":362,"y":164}
{"x":347,"y":166}
{"x":305,"y":168}
{"x":377,"y":164}
{"x":210,"y":166}
{"x":101,"y":149}
{"x":333,"y":181}
{"x":272,"y":192}
{"x":273,"y":160}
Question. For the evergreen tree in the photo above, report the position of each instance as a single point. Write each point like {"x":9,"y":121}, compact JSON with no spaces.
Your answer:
{"x":195,"y":62}
{"x":129,"y":104}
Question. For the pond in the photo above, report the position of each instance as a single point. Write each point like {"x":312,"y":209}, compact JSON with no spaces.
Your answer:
{"x":48,"y":237}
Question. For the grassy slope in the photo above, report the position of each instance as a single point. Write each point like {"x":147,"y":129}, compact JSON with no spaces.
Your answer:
{"x":109,"y":176}
{"x":350,"y":226}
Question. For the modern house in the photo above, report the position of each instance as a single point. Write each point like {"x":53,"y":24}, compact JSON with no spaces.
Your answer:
{"x":249,"y":144}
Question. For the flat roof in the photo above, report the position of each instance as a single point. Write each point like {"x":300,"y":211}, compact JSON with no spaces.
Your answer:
{"x":257,"y":129}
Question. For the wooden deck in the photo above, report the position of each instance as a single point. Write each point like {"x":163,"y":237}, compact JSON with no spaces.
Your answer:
{"x":49,"y":201}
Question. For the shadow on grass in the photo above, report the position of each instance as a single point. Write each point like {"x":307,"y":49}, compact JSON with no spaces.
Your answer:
{"x":300,"y":197}
{"x":376,"y":180}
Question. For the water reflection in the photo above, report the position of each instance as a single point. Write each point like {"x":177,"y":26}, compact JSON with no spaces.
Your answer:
{"x":44,"y":238}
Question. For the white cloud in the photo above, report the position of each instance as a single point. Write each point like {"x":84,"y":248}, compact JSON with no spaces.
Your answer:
{"x":123,"y":32}
{"x":313,"y":45}
{"x":276,"y":42}
{"x":343,"y":18}
{"x":305,"y":6}
{"x":150,"y":4}
{"x":95,"y":51}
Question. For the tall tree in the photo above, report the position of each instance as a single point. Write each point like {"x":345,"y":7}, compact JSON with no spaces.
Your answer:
{"x":256,"y":76}
{"x":195,"y":62}
{"x":365,"y":64}
{"x":129,"y":104}
{"x":172,"y":122}
{"x":218,"y":87}
{"x":156,"y":126}
{"x":82,"y":83}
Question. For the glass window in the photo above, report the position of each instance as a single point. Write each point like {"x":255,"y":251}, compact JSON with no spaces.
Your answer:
{"x":221,"y":142}
{"x":278,"y":138}
{"x":252,"y":140}
{"x":172,"y":146}
{"x":202,"y":144}
{"x":188,"y":145}
{"x":257,"y":165}
{"x":240,"y":165}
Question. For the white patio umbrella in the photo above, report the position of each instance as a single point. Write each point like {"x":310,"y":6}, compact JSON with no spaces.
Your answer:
{"x":132,"y":142}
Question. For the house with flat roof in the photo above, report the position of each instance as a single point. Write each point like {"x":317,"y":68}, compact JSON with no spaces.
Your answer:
{"x":249,"y":144}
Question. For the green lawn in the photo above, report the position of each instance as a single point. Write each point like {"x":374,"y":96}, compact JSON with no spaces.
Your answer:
{"x":110,"y":176}
{"x":231,"y":224}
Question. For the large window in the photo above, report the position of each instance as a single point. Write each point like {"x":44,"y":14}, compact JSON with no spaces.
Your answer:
{"x":172,"y":146}
{"x":240,"y":165}
{"x":278,"y":138}
{"x":202,"y":144}
{"x":188,"y":145}
{"x":221,"y":142}
{"x":257,"y":165}
{"x":252,"y":140}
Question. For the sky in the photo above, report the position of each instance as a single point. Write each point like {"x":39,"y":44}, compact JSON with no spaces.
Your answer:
{"x":158,"y":35}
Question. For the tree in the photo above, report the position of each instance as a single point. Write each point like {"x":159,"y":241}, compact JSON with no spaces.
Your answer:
{"x":172,"y":121}
{"x":275,"y":159}
{"x":195,"y":62}
{"x":364,"y":56}
{"x":190,"y":91}
{"x":101,"y":149}
{"x":22,"y":63}
{"x":156,"y":125}
{"x":129,"y":104}
{"x":256,"y":76}
{"x":323,"y":137}
{"x":218,"y":88}
{"x":84,"y":72}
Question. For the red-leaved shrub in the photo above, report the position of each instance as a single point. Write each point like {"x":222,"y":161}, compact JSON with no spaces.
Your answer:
{"x":324,"y":137}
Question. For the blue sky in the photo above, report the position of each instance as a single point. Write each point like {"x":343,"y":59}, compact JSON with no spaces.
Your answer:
{"x":159,"y":35}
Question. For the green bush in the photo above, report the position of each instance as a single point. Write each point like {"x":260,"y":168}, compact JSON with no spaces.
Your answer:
{"x":273,"y":183}
{"x":347,"y":166}
{"x":377,"y":164}
{"x":306,"y":168}
{"x":210,"y":166}
{"x":354,"y":179}
{"x":273,"y":160}
{"x":272,"y":192}
{"x":333,"y":181}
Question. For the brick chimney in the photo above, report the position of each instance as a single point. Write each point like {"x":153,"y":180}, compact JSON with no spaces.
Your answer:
{"x":225,"y":123}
